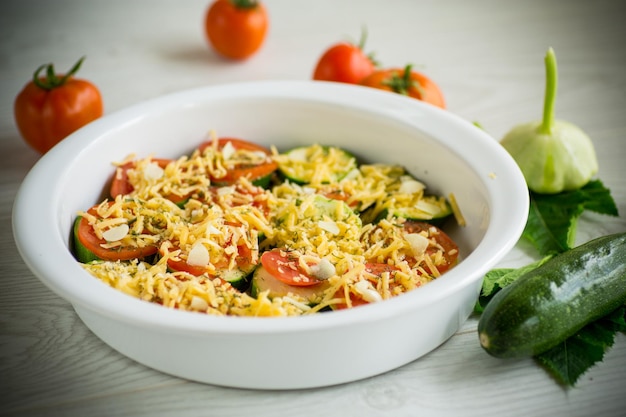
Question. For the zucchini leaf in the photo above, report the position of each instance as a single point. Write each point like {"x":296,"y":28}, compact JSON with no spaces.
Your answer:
{"x":569,"y":360}
{"x":552,"y":218}
{"x":496,"y":279}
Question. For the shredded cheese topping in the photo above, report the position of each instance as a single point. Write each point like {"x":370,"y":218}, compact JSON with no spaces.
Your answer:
{"x":341,"y":229}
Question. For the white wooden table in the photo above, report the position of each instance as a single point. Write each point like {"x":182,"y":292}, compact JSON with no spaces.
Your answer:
{"x":487,"y":56}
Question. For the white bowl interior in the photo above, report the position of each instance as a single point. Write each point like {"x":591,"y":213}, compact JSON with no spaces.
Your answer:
{"x":448,"y":154}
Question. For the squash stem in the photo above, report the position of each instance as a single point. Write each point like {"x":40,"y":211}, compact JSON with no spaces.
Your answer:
{"x":550,"y":93}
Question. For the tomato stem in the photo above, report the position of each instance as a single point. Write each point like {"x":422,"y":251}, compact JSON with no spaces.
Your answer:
{"x":363,"y":39}
{"x":51,"y":80}
{"x":402,"y":84}
{"x":361,"y":45}
{"x":550,"y":94}
{"x":245,"y":4}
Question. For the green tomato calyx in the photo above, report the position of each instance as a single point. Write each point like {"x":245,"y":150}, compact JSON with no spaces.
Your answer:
{"x":52,"y":80}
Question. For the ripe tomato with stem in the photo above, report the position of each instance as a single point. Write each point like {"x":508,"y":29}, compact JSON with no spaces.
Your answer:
{"x":236,"y":29}
{"x":51,"y":106}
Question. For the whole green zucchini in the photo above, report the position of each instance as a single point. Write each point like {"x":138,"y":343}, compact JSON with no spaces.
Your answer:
{"x":547,"y":305}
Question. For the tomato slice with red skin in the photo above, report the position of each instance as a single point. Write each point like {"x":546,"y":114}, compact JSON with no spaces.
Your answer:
{"x":88,"y":238}
{"x":255,"y":193}
{"x":120,"y":184}
{"x":243,"y":261}
{"x":450,"y":249}
{"x":376,"y":269}
{"x":181,"y":265}
{"x":250,"y":171}
{"x":284,"y":267}
{"x":379,"y":268}
{"x":341,"y":196}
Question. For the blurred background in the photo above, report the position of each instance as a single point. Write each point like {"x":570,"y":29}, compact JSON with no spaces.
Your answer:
{"x":486,"y":55}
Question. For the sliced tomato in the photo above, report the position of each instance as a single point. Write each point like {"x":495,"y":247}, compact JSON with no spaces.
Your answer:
{"x":379,"y":268}
{"x":450,"y":249}
{"x":120,"y":184}
{"x":376,"y":269}
{"x":87,"y":237}
{"x":341,"y":196}
{"x":254,"y":172}
{"x":243,"y":261}
{"x":256,"y":194}
{"x":283,"y":265}
{"x":181,"y":265}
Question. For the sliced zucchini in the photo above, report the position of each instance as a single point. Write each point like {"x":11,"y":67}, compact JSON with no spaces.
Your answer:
{"x":182,"y":203}
{"x":319,"y":208}
{"x":427,"y":208}
{"x":334,"y":209}
{"x":81,"y":253}
{"x":264,"y":281}
{"x":316,"y":164}
{"x":264,"y":181}
{"x":431,"y":209}
{"x":239,"y":277}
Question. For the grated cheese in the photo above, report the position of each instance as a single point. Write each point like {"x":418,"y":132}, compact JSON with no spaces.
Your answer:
{"x":334,"y":226}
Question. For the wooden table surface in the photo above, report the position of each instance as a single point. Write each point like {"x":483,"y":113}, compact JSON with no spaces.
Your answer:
{"x":487,"y":56}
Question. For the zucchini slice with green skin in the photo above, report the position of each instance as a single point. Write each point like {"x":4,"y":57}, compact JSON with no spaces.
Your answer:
{"x":81,"y":253}
{"x":327,"y":208}
{"x":431,"y":209}
{"x":264,"y":181}
{"x":428,"y":208}
{"x":264,"y":281}
{"x":334,"y":209}
{"x":239,"y":277}
{"x":301,"y":165}
{"x":548,"y":304}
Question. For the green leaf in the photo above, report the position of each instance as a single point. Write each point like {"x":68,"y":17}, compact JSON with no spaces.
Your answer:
{"x":569,"y":360}
{"x":598,"y":198}
{"x":552,"y":218}
{"x":496,"y":279}
{"x":491,"y":285}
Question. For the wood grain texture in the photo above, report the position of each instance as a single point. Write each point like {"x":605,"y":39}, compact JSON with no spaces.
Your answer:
{"x":487,"y":56}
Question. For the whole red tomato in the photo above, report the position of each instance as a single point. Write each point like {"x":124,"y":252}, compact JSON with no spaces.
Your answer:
{"x":406,"y":82}
{"x":345,"y":63}
{"x":236,"y":29}
{"x":51,"y":107}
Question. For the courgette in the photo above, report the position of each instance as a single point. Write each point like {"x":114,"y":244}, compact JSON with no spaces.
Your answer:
{"x":238,"y":277}
{"x":81,"y":253}
{"x":315,"y":164}
{"x":432,"y":209}
{"x":320,"y":208}
{"x":264,"y":281}
{"x":548,"y":304}
{"x":264,"y":182}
